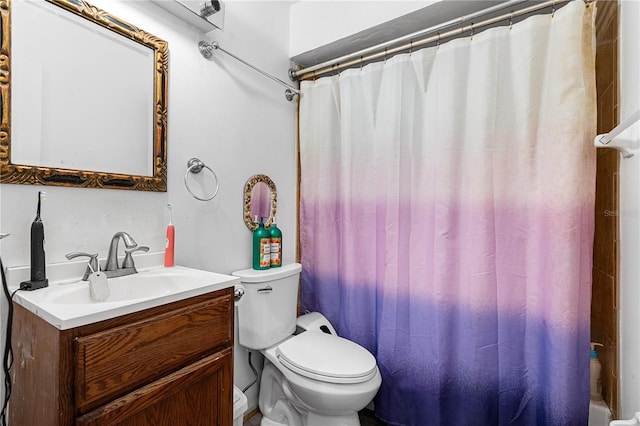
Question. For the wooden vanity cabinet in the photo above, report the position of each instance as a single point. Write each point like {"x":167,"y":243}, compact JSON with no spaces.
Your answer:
{"x":169,"y":365}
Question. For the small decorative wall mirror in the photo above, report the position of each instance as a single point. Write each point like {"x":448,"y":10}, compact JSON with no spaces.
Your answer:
{"x":260,"y":200}
{"x":83,"y":98}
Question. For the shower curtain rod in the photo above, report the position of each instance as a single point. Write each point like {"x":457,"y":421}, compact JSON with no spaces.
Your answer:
{"x":413,"y":40}
{"x":206,"y":49}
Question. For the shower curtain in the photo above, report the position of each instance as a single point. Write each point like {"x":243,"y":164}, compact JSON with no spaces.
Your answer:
{"x":446,"y":221}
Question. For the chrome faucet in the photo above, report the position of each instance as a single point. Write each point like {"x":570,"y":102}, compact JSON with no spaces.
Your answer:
{"x":111,"y":267}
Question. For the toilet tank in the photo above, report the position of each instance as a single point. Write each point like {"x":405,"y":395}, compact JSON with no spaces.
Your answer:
{"x":267,"y":310}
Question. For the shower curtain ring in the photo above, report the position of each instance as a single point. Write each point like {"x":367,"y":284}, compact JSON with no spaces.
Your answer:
{"x":410,"y":47}
{"x":511,"y":20}
{"x":438,"y":41}
{"x":553,"y":8}
{"x":385,"y":54}
{"x":361,"y":61}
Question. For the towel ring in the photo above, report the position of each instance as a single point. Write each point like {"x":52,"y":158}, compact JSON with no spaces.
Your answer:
{"x":195,"y":166}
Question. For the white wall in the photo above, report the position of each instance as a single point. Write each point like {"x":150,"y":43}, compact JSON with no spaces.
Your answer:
{"x":233,"y":119}
{"x":629,"y":296}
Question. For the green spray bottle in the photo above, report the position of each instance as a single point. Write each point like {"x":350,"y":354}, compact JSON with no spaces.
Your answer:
{"x":261,"y":246}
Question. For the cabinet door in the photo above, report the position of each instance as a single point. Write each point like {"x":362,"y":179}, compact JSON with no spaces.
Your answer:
{"x":114,"y":362}
{"x":197,"y":395}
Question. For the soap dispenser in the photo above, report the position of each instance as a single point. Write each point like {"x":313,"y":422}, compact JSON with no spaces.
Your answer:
{"x":276,"y":245}
{"x":261,"y":246}
{"x":595,"y":384}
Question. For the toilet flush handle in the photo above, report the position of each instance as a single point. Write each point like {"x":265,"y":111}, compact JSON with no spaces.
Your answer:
{"x":267,"y":289}
{"x":238,"y":293}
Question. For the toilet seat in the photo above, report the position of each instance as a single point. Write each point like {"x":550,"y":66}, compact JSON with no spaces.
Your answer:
{"x":327,"y":358}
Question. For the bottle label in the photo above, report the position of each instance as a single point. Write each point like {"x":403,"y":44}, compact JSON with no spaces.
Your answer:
{"x":275,"y":252}
{"x":265,"y":252}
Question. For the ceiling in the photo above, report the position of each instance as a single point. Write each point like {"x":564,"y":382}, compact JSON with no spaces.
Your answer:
{"x":421,"y":19}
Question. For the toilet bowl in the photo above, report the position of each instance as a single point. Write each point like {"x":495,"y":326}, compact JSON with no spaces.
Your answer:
{"x":311,"y":377}
{"x":328,"y":388}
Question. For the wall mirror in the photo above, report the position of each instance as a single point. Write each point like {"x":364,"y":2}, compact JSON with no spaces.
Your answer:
{"x":84,"y":98}
{"x":260,"y":199}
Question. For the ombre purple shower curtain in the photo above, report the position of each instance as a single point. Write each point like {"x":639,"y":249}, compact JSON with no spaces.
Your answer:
{"x":447,"y":221}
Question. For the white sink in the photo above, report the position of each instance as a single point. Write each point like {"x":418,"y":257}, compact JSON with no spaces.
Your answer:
{"x":66,"y":304}
{"x":119,"y":291}
{"x":153,"y":283}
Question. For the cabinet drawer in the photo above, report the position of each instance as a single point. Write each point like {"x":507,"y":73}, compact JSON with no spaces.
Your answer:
{"x":199,"y":394}
{"x":113,"y":362}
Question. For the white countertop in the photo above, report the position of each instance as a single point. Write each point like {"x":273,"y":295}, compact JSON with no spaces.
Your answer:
{"x":66,"y":303}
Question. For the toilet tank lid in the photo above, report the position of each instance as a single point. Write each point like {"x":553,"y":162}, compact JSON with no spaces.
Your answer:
{"x":258,"y":276}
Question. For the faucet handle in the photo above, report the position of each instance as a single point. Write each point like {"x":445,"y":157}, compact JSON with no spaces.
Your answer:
{"x":128,"y":258}
{"x":93,"y":265}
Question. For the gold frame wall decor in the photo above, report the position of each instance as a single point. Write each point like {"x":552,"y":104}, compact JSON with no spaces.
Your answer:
{"x":248,"y":188}
{"x":38,"y":175}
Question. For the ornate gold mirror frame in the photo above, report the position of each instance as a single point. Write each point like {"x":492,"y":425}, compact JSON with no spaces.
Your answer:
{"x":38,"y":175}
{"x":273,"y":198}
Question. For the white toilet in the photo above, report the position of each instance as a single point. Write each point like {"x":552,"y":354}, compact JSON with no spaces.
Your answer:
{"x":312,"y":377}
